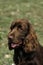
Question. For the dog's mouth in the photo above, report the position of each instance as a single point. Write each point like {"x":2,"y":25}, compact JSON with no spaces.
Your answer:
{"x":14,"y":45}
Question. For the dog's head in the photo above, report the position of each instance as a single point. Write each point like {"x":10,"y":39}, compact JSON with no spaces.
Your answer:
{"x":18,"y":31}
{"x":22,"y":33}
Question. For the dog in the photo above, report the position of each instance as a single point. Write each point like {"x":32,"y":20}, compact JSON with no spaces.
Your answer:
{"x":23,"y":40}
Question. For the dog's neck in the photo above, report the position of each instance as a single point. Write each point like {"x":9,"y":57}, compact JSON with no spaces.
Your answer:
{"x":23,"y":54}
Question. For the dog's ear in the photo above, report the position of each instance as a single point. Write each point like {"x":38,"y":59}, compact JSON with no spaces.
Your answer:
{"x":30,"y":42}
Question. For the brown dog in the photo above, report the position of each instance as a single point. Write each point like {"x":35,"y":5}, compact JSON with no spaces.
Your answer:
{"x":22,"y":38}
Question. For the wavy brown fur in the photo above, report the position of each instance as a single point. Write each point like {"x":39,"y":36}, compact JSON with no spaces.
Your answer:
{"x":22,"y":38}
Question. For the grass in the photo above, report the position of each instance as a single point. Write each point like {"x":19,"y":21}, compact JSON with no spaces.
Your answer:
{"x":14,"y":9}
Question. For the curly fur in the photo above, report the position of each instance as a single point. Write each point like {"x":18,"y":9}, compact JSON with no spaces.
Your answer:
{"x":23,"y":39}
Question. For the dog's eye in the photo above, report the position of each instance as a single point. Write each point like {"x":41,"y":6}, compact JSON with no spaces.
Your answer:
{"x":19,"y":27}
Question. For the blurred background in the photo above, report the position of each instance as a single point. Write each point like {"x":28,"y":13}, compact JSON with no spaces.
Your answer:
{"x":11,"y":10}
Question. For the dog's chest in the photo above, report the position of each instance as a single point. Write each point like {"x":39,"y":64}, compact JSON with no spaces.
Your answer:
{"x":27,"y":59}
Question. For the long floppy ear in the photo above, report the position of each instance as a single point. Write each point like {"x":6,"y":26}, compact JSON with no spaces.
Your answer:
{"x":31,"y":43}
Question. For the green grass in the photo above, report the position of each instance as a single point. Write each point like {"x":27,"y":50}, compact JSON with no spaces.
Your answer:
{"x":14,"y":9}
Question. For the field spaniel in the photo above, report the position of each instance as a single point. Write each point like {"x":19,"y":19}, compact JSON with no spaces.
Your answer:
{"x":22,"y":38}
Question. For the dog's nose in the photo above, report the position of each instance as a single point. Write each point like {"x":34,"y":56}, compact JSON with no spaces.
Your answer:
{"x":10,"y":37}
